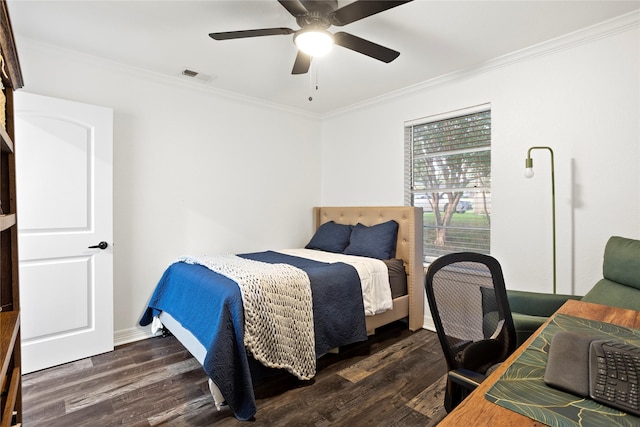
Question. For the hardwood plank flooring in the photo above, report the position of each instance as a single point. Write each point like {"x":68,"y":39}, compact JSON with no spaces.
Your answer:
{"x":395,"y":378}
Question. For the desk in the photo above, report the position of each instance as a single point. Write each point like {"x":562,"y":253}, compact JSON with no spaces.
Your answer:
{"x":476,"y":410}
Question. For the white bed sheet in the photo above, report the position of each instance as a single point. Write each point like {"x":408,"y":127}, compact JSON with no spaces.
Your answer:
{"x":373,"y":273}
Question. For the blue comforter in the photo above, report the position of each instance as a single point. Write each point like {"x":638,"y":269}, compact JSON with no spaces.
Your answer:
{"x":210,"y":306}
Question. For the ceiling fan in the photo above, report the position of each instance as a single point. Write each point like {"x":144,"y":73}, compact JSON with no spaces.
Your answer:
{"x":314,"y":18}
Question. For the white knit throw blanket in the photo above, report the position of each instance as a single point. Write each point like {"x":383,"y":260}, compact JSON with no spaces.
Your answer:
{"x":278,"y":311}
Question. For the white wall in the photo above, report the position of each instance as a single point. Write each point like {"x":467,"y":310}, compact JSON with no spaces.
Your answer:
{"x":200,"y":172}
{"x":580,"y":95}
{"x":195,"y":171}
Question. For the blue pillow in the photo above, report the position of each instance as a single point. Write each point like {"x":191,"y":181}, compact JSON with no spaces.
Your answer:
{"x":377,"y":241}
{"x":330,"y":237}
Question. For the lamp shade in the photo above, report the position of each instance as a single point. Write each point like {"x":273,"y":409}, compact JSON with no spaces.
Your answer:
{"x":314,"y":42}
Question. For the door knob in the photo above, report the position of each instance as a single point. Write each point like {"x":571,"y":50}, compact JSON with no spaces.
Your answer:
{"x":101,"y":245}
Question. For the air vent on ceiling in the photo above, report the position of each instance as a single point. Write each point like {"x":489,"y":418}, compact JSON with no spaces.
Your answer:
{"x":189,"y":72}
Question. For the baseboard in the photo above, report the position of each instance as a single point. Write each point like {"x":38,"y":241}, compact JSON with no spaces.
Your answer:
{"x":428,"y":324}
{"x":127,"y":336}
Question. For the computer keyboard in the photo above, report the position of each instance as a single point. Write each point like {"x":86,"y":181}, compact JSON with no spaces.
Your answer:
{"x":614,"y":370}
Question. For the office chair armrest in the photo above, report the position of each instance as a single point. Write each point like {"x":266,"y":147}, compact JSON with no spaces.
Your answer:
{"x":466,"y":378}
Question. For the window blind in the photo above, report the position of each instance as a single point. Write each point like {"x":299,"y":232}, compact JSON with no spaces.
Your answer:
{"x":448,"y":174}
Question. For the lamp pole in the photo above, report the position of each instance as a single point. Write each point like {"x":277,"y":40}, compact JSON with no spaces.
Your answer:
{"x":529,"y":173}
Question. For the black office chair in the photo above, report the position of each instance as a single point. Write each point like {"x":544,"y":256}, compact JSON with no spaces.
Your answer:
{"x":470,"y":310}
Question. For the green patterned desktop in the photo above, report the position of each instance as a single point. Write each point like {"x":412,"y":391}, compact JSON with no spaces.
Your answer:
{"x":521,"y":387}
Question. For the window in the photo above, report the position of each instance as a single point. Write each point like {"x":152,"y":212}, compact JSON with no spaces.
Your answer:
{"x":448,"y":174}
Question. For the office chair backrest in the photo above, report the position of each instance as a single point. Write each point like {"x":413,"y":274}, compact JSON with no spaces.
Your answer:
{"x":469,"y":306}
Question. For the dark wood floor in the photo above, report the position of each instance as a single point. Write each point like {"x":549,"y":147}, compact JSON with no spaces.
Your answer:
{"x":396,"y":378}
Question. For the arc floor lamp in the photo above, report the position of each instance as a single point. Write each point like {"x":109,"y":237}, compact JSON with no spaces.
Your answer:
{"x":528,"y":172}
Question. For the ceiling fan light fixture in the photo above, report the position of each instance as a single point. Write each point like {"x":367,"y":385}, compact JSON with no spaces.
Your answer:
{"x":314,"y":42}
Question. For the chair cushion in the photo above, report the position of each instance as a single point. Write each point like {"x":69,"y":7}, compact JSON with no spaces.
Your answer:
{"x":622,"y":261}
{"x":614,"y":294}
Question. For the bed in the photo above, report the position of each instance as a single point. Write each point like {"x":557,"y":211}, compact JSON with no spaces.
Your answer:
{"x":226,"y":356}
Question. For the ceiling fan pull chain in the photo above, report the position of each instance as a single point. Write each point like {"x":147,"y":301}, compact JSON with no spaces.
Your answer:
{"x":314,"y":71}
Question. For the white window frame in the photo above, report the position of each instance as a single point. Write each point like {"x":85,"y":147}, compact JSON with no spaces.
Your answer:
{"x":419,"y":191}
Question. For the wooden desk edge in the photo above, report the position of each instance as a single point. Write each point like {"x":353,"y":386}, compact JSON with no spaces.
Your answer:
{"x":476,"y":410}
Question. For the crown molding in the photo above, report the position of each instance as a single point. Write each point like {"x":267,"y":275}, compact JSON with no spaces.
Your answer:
{"x":146,"y":75}
{"x":608,"y":28}
{"x":571,"y":40}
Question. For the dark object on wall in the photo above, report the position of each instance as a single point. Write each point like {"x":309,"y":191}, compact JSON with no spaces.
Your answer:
{"x":11,"y":396}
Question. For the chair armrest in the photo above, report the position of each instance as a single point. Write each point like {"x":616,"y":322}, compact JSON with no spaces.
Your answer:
{"x":536,"y":304}
{"x":466,"y":378}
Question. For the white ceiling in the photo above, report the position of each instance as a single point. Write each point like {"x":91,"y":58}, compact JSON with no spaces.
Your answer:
{"x":434,"y":38}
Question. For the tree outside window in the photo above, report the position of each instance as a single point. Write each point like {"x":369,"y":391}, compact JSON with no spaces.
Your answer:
{"x":449,"y":176}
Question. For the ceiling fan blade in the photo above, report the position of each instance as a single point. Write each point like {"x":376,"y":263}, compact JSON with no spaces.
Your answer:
{"x":227,"y":35}
{"x":365,"y":47}
{"x":294,"y":7}
{"x":302,"y":63}
{"x":322,"y":6}
{"x":361,"y":9}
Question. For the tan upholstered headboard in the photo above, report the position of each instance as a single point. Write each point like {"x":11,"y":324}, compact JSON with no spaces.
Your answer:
{"x":409,"y":247}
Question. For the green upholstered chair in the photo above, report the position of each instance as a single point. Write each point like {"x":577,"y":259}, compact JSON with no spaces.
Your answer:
{"x":530,"y":310}
{"x":619,"y":287}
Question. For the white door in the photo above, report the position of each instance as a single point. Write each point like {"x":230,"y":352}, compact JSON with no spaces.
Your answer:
{"x":64,"y":185}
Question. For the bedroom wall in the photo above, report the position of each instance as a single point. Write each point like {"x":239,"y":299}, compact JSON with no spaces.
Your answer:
{"x":579,"y":94}
{"x":195,"y":171}
{"x":199,"y":171}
